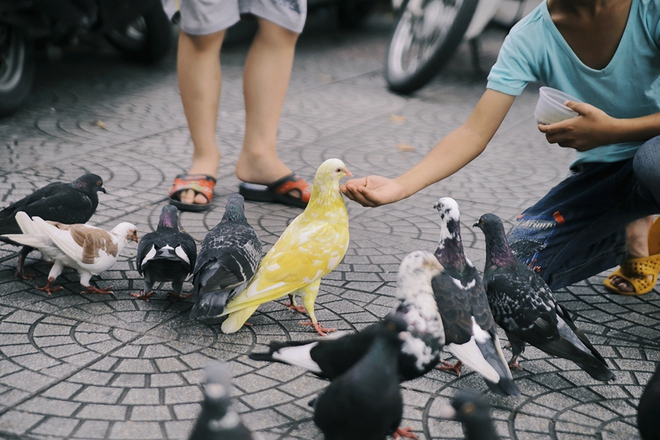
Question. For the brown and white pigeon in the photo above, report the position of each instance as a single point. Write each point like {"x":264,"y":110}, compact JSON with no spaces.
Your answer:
{"x":67,"y":203}
{"x":88,"y":249}
{"x":166,"y":254}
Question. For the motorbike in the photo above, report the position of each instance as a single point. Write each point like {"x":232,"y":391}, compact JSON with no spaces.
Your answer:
{"x":139,"y":29}
{"x":428,"y":32}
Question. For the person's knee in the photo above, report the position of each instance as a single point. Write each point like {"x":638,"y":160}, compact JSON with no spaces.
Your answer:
{"x":202,"y":43}
{"x":275,"y":33}
{"x":646,"y":166}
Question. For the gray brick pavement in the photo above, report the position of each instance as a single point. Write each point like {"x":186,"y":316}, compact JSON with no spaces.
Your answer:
{"x":99,"y":367}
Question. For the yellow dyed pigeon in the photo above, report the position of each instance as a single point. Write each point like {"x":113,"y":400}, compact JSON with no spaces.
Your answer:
{"x":308,"y":249}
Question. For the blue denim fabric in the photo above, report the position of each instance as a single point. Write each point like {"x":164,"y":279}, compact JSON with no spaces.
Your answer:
{"x":578,"y":229}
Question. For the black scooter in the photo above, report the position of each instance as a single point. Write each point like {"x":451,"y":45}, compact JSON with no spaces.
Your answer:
{"x":139,"y":29}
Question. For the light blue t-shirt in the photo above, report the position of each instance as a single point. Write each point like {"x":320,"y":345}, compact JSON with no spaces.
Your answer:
{"x":627,"y":87}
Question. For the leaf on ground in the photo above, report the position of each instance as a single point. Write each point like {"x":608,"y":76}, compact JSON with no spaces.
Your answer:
{"x":404,"y":147}
{"x":100,"y":124}
{"x":398,"y":119}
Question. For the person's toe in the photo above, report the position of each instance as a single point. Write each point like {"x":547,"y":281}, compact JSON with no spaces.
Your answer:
{"x":187,"y":197}
{"x":199,"y":199}
{"x":622,"y":284}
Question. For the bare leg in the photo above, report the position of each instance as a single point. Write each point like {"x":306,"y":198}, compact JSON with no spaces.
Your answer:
{"x":200,"y":83}
{"x":265,"y":82}
{"x":637,"y":233}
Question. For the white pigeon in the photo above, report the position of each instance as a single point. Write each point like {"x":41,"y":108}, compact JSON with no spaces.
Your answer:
{"x":88,"y":249}
{"x":33,"y":237}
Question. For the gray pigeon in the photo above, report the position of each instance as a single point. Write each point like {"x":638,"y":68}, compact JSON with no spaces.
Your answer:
{"x":470,"y":331}
{"x":217,"y":420}
{"x":166,"y":254}
{"x":227,"y":261}
{"x":471,"y":408}
{"x":524,"y":306}
{"x":422,"y":344}
{"x":365,"y":403}
{"x":67,"y":203}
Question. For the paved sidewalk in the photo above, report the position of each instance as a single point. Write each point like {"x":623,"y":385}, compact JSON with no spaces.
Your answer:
{"x":113,"y":367}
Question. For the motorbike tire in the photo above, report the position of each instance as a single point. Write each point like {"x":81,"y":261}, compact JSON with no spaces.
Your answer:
{"x":148,"y":39}
{"x":434,"y":35}
{"x":17,"y":63}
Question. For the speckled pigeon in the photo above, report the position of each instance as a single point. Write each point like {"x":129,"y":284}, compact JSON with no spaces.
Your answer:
{"x":471,"y":408}
{"x":227,"y":261}
{"x":166,"y":254}
{"x":524,"y":306}
{"x":365,"y":402}
{"x":67,"y":203}
{"x":420,"y":352}
{"x":648,"y":410}
{"x":470,"y":331}
{"x":217,"y":420}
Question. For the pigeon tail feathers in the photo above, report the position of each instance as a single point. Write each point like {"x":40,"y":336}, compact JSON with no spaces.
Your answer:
{"x":236,"y":319}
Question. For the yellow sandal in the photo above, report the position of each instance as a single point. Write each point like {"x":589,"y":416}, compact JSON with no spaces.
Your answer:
{"x":641,"y":273}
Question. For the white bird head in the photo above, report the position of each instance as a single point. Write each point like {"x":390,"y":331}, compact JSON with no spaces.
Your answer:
{"x":417,"y":268}
{"x":448,"y":209}
{"x":126,"y":232}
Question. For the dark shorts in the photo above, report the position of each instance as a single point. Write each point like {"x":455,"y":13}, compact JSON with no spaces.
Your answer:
{"x":578,"y":229}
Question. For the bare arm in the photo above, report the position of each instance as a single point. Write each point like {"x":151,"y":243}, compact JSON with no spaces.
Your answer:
{"x":452,"y":153}
{"x":593,"y":127}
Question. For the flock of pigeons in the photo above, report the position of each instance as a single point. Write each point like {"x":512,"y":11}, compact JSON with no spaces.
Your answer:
{"x":443,"y":302}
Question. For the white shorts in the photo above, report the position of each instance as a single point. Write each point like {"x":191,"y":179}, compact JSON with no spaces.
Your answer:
{"x":203,"y":17}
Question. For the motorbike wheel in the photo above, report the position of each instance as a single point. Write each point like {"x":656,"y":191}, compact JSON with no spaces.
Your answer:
{"x":426,"y":35}
{"x":147,"y":39}
{"x":16,"y":69}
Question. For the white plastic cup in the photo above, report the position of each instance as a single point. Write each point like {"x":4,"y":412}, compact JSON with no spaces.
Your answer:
{"x":550,"y":107}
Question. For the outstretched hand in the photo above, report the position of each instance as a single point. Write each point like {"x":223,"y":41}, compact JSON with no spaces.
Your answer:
{"x":590,"y":129}
{"x":373,"y":191}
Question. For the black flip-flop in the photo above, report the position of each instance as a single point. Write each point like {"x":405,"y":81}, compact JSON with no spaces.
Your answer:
{"x":289,"y":190}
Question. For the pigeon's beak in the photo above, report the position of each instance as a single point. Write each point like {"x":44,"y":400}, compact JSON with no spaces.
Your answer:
{"x":348,"y":173}
{"x":103,"y":189}
{"x":134,"y":237}
{"x":436,"y":206}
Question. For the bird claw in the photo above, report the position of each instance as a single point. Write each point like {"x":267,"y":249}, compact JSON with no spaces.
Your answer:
{"x":92,"y":289}
{"x":514,"y":364}
{"x":320,"y":330}
{"x":22,"y":275}
{"x":299,"y":309}
{"x":404,"y":432}
{"x":49,"y":288}
{"x":178,"y":296}
{"x":448,"y":366}
{"x":143,"y":296}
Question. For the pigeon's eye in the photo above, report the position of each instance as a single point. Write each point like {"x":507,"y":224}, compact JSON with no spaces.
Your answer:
{"x":99,"y":183}
{"x":468,"y":408}
{"x":338,"y":170}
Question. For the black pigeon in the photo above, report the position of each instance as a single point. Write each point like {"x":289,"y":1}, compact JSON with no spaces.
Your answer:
{"x":67,"y":203}
{"x":166,"y":254}
{"x":217,"y":420}
{"x":423,"y":342}
{"x":365,"y":403}
{"x":227,"y":261}
{"x":648,"y":410}
{"x":471,"y":408}
{"x":470,"y":330}
{"x":524,"y":306}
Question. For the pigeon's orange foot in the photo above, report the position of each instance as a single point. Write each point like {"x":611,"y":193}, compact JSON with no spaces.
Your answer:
{"x":320,"y":330}
{"x":404,"y":432}
{"x":143,"y":296}
{"x":92,"y":289}
{"x":23,"y":275}
{"x":448,"y":366}
{"x":299,"y":309}
{"x":177,"y":296}
{"x":48,"y":288}
{"x":514,"y":364}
